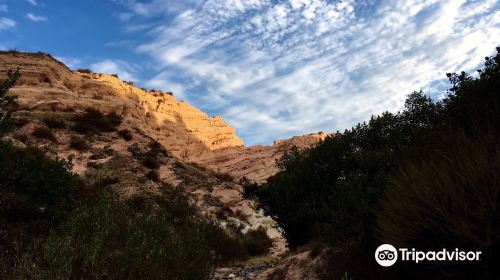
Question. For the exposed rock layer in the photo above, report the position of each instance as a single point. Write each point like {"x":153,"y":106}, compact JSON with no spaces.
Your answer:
{"x":48,"y":85}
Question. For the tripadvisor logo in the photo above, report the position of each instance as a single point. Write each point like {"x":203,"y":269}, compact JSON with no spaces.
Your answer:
{"x":387,"y":255}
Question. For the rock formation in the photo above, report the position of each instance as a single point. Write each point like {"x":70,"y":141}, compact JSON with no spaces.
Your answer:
{"x":255,"y":163}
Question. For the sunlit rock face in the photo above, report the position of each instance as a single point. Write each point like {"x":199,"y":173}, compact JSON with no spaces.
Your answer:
{"x":48,"y":85}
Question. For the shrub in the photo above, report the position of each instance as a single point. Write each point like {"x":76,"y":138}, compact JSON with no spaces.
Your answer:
{"x":126,"y":134}
{"x":151,"y":162}
{"x":448,"y":199}
{"x":94,"y":121}
{"x":39,"y":182}
{"x":78,"y":143}
{"x":5,"y":100}
{"x":153,"y":175}
{"x":225,"y":177}
{"x":85,"y":71}
{"x":257,"y":242}
{"x":115,"y":75}
{"x":54,"y":123}
{"x":114,"y":119}
{"x":44,"y":133}
{"x":112,"y":239}
{"x":137,"y":239}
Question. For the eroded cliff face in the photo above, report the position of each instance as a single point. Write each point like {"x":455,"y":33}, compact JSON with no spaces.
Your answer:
{"x":48,"y":85}
{"x":255,"y":163}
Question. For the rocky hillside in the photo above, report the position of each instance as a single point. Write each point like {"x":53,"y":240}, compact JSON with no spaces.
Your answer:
{"x":48,"y":85}
{"x":255,"y":163}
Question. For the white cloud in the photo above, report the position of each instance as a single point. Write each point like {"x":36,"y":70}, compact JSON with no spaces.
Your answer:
{"x":71,"y":62}
{"x":4,"y":8}
{"x":6,"y":23}
{"x":124,"y":70}
{"x":36,"y":18}
{"x":32,"y":2}
{"x":277,"y":68}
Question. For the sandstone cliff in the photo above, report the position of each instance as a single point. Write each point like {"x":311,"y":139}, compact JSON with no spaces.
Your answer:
{"x":48,"y":85}
{"x":255,"y":163}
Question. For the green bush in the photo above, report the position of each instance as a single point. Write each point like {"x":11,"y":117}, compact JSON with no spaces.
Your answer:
{"x":41,"y":185}
{"x":137,"y":239}
{"x":6,"y":100}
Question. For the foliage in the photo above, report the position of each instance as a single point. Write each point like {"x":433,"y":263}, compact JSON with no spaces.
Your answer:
{"x":55,"y":123}
{"x":124,"y":240}
{"x":93,"y":122}
{"x":84,"y":71}
{"x":44,"y":133}
{"x":126,"y":134}
{"x":6,"y":100}
{"x":447,"y":199}
{"x":257,"y":242}
{"x":78,"y":143}
{"x":329,"y":190}
{"x":41,"y":185}
{"x":436,"y":160}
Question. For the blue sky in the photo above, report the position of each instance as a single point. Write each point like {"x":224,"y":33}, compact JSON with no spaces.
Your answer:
{"x":273,"y":69}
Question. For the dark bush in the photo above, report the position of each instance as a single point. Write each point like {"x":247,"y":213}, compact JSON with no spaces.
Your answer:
{"x":448,"y":199}
{"x":115,"y":75}
{"x":44,"y":133}
{"x":85,"y":71}
{"x":151,"y":162}
{"x":153,"y":175}
{"x":112,"y":239}
{"x":126,"y":134}
{"x":6,"y":124}
{"x":52,"y":122}
{"x":94,"y":121}
{"x":39,"y":182}
{"x":114,"y":119}
{"x":78,"y":143}
{"x":225,"y":177}
{"x":257,"y":242}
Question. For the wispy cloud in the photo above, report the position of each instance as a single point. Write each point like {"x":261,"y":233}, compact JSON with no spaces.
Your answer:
{"x":6,"y":23}
{"x":36,"y":18}
{"x":4,"y":8}
{"x":71,"y":62}
{"x":123,"y":69}
{"x":281,"y":68}
{"x":32,"y":2}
